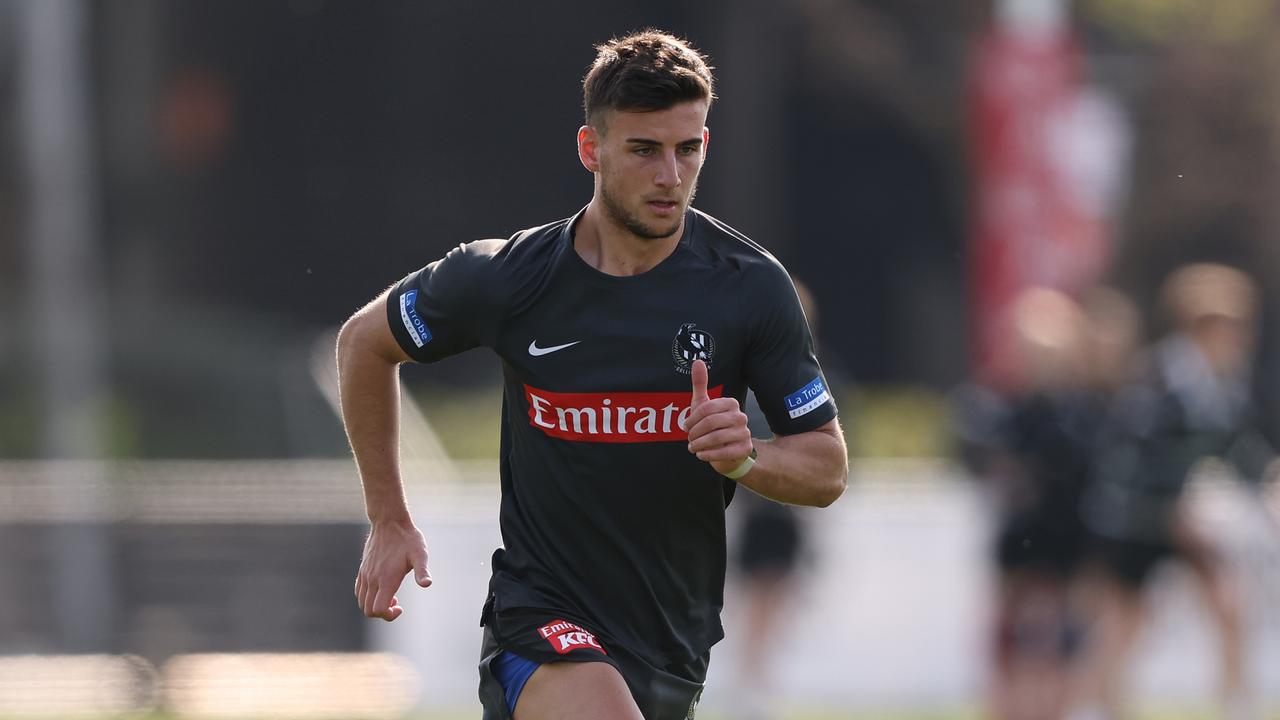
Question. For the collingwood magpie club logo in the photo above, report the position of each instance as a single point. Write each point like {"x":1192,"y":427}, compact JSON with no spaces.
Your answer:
{"x":692,"y":344}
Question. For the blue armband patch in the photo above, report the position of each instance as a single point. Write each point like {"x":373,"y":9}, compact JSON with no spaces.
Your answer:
{"x":807,"y":398}
{"x":418,"y":329}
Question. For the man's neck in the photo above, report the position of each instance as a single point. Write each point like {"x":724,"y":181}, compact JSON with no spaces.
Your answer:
{"x":612,"y":249}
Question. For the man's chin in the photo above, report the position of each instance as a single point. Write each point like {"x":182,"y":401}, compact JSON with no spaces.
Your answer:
{"x":664,"y":228}
{"x":657,"y":233}
{"x":643,"y":223}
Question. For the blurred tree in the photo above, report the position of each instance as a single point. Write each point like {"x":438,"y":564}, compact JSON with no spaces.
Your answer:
{"x":1162,"y":21}
{"x":1206,"y":169}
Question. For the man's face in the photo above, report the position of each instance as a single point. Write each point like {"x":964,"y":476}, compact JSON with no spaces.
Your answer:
{"x":1227,"y":343}
{"x":647,"y":165}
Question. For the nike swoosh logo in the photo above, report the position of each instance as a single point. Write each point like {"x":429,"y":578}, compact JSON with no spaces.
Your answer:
{"x":536,"y":351}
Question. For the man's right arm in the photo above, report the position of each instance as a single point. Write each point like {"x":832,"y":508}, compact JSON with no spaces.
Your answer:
{"x":368,"y":381}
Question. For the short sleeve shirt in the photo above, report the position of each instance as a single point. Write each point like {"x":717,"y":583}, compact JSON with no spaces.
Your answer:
{"x":605,"y":514}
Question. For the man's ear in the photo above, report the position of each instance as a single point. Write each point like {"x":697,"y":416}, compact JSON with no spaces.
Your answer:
{"x":706,"y":142}
{"x":589,"y":148}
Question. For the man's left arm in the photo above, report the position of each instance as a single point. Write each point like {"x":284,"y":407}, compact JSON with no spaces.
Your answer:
{"x":807,"y":468}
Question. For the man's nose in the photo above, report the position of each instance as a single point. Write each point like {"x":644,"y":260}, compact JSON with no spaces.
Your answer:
{"x":668,"y":175}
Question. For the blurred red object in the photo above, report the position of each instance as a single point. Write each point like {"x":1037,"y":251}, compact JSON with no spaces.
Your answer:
{"x":196,"y":118}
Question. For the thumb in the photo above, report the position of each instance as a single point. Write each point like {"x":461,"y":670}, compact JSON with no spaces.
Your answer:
{"x":422,"y":575}
{"x":699,"y":374}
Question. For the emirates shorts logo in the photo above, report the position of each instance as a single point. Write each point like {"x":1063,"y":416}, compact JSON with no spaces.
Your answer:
{"x":692,"y":344}
{"x":565,"y":637}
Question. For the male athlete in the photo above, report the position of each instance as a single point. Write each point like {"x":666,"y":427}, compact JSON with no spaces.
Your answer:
{"x":629,"y":335}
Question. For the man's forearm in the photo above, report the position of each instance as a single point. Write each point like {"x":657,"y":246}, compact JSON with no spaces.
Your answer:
{"x":369,"y":388}
{"x":810,"y":468}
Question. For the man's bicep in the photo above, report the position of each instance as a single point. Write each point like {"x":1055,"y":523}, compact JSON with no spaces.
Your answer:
{"x":832,"y":428}
{"x":370,"y":329}
{"x":828,"y":430}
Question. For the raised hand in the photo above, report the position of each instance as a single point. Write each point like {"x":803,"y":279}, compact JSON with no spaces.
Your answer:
{"x":717,"y":427}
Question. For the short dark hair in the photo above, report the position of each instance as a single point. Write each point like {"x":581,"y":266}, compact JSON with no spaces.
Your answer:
{"x":645,"y":71}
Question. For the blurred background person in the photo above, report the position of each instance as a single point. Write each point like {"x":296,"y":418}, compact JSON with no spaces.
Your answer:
{"x":1033,"y":443}
{"x":1190,"y":402}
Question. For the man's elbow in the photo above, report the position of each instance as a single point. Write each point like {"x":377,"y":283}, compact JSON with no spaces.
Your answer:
{"x":348,"y":342}
{"x":834,"y":487}
{"x":837,"y":479}
{"x":365,"y":337}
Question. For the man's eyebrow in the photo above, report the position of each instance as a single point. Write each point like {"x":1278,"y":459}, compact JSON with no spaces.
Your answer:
{"x":655,"y":143}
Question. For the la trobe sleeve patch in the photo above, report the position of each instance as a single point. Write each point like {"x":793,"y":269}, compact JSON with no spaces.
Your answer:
{"x":808,"y":398}
{"x":418,"y":330}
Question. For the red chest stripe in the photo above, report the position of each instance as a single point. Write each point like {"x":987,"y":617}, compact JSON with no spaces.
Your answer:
{"x":617,"y":417}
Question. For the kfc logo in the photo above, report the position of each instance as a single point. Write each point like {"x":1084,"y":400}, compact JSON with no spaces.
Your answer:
{"x":566,"y":637}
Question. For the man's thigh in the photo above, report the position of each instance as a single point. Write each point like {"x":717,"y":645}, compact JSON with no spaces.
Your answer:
{"x":576,"y":691}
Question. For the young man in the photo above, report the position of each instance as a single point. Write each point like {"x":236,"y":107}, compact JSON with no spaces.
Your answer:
{"x":629,"y":335}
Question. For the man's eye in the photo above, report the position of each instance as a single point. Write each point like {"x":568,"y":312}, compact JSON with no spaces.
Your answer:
{"x":643,"y":151}
{"x":689,"y":150}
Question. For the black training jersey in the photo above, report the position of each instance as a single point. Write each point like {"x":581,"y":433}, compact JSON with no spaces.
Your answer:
{"x":1177,"y":413}
{"x":605,"y":515}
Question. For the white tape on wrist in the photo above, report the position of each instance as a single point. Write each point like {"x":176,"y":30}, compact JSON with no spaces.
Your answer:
{"x":747,"y":463}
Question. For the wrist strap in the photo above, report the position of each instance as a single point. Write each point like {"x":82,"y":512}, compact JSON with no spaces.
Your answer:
{"x":747,"y":463}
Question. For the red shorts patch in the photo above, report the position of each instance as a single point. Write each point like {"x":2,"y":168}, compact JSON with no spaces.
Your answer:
{"x":566,"y":637}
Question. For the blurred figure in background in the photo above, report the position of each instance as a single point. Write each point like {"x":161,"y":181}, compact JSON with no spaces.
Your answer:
{"x":1113,"y":333}
{"x":770,"y":543}
{"x":1034,"y":445}
{"x":1190,"y":401}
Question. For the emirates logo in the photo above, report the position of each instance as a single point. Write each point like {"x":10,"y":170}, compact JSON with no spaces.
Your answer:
{"x":692,"y":344}
{"x":612,"y":417}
